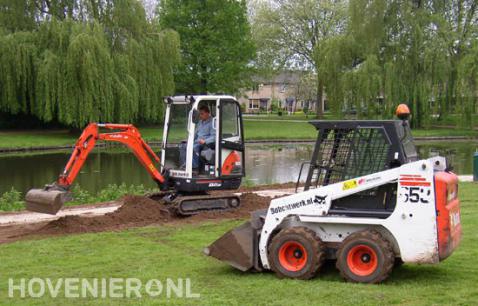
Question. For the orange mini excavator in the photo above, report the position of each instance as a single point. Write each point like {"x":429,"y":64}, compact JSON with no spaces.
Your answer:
{"x":221,"y":161}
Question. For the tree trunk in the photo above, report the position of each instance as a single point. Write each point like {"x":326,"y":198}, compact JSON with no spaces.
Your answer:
{"x":450,"y":103}
{"x":203,"y":81}
{"x":319,"y":104}
{"x":203,"y":86}
{"x":418,"y":111}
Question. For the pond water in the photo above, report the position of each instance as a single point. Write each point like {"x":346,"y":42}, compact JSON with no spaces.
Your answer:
{"x":265,"y":164}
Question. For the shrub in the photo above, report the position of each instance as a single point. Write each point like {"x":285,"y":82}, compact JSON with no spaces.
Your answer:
{"x":113,"y":191}
{"x":80,"y":196}
{"x":11,"y":200}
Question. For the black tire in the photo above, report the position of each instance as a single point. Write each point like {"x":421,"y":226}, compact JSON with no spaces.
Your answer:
{"x":365,"y":257}
{"x":398,"y":262}
{"x":296,"y":252}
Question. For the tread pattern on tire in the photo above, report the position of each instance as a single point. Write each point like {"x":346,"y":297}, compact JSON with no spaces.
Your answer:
{"x":383,"y":243}
{"x":311,"y":236}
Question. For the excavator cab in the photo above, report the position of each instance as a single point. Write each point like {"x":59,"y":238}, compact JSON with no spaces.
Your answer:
{"x":189,"y":165}
{"x":219,"y":161}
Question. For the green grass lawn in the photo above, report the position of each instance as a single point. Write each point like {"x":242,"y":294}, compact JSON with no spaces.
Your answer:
{"x":296,"y":116}
{"x":254,"y":129}
{"x":443,"y":132}
{"x":38,"y":138}
{"x":176,"y":252}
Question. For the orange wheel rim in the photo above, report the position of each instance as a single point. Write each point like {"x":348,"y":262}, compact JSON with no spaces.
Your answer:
{"x":292,"y":256}
{"x":362,"y":260}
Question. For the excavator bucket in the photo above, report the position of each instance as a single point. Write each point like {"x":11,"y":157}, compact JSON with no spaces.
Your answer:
{"x":239,"y":247}
{"x":46,"y":201}
{"x":236,"y":247}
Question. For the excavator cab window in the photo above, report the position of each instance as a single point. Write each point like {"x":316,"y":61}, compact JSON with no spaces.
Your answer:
{"x":207,"y":153}
{"x":231,"y":139}
{"x":177,"y":134}
{"x":220,"y":155}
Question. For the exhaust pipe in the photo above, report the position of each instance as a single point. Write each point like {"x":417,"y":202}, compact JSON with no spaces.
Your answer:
{"x":48,"y":200}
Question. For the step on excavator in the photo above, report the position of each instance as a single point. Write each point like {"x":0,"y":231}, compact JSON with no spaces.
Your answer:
{"x":219,"y":162}
{"x":368,"y":202}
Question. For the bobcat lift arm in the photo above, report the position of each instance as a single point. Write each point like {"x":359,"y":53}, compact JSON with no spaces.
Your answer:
{"x":51,"y":198}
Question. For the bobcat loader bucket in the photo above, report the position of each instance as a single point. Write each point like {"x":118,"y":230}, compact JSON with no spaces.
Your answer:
{"x":239,"y":247}
{"x":47,"y":200}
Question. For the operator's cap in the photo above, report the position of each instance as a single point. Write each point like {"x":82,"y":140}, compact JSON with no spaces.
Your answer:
{"x":403,"y":112}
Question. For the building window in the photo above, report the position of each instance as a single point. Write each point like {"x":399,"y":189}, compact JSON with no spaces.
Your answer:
{"x":253,"y":104}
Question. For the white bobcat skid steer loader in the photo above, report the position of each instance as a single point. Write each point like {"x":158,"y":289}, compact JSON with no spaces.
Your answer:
{"x":367,"y":202}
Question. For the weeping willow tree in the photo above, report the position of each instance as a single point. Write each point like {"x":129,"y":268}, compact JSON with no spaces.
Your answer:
{"x":404,"y":52}
{"x":467,"y":86}
{"x":17,"y":56}
{"x":83,"y":63}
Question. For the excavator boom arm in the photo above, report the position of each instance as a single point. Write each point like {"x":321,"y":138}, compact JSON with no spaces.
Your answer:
{"x":126,"y":134}
{"x":51,"y":198}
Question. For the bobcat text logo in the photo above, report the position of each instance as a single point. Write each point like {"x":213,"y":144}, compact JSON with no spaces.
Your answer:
{"x":319,"y":200}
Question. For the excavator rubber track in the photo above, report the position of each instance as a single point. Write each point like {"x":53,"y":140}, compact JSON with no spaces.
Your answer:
{"x":193,"y":205}
{"x":189,"y":205}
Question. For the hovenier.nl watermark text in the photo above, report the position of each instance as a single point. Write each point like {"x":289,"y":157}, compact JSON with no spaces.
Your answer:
{"x":101,"y":288}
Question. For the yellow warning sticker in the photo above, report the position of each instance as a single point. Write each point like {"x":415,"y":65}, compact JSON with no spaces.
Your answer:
{"x":349,"y":184}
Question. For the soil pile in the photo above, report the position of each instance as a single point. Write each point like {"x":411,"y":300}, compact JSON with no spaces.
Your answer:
{"x":134,"y":211}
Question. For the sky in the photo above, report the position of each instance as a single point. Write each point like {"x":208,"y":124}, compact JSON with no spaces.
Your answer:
{"x":150,"y":7}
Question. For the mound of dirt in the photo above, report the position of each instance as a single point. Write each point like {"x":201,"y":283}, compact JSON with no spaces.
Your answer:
{"x":135,"y":211}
